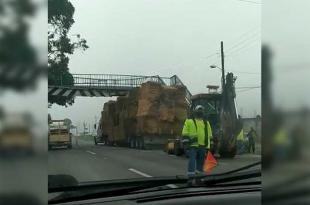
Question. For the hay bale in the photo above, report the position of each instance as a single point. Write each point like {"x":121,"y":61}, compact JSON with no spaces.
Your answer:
{"x":167,"y":113}
{"x":147,"y":108}
{"x":165,"y":128}
{"x":150,"y":91}
{"x":152,"y":109}
{"x":147,"y":126}
{"x":119,"y":133}
{"x":121,"y":103}
{"x":181,"y":113}
{"x":177,"y":127}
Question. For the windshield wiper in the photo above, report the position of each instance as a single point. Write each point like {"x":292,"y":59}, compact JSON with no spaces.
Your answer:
{"x":110,"y":184}
{"x":127,"y":186}
{"x":143,"y":182}
{"x":231,"y":177}
{"x":110,"y":188}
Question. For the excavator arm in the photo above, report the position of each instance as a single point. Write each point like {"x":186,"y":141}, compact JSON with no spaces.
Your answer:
{"x":230,"y":124}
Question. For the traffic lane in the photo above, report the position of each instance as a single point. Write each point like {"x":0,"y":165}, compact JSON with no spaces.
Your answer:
{"x":151,"y":162}
{"x":87,"y":162}
{"x":23,"y":178}
{"x":159,"y":163}
{"x":85,"y":165}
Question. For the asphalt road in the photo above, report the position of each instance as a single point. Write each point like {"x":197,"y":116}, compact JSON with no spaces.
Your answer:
{"x":87,"y":162}
{"x":23,"y":179}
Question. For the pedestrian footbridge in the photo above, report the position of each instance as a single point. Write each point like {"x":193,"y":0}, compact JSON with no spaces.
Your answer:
{"x":108,"y":85}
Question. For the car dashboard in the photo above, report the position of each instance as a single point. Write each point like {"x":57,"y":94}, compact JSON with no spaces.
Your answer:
{"x":239,"y":195}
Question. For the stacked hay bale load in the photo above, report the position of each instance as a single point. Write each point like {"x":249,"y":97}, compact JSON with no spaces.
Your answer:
{"x":148,"y":115}
{"x":125,"y":126}
{"x":108,"y":120}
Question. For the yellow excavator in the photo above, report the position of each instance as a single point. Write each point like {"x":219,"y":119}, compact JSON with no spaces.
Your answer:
{"x":221,"y":111}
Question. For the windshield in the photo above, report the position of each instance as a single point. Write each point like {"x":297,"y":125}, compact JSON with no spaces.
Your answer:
{"x":152,"y":88}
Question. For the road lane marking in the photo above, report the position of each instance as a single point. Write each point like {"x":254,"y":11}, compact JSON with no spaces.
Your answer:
{"x":148,"y":176}
{"x":172,"y":186}
{"x":90,"y":152}
{"x":140,"y":173}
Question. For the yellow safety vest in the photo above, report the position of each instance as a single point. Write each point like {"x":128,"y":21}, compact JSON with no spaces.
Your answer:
{"x":189,"y":129}
{"x":240,"y":136}
{"x":281,"y":138}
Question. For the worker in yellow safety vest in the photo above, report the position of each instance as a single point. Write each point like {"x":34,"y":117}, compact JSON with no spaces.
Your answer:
{"x":281,"y":143}
{"x":240,"y":142}
{"x":198,"y":132}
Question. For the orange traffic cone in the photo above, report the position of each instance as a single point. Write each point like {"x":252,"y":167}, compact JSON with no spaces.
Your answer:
{"x":209,"y":163}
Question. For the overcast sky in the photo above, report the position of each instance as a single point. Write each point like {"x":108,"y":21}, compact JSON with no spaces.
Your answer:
{"x":168,"y":37}
{"x":286,"y":32}
{"x":165,"y":38}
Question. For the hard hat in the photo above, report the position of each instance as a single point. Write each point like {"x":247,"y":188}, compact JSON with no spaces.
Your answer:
{"x":199,"y":107}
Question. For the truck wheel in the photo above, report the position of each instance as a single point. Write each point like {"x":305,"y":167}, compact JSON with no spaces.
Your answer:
{"x":177,"y":149}
{"x":137,"y":143}
{"x":132,"y":142}
{"x":226,"y":149}
{"x":228,"y":154}
{"x":140,"y":143}
{"x":49,"y":147}
{"x":70,"y":146}
{"x":170,"y":150}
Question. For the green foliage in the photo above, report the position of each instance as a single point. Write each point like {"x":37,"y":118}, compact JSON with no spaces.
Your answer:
{"x":60,"y":46}
{"x":18,"y":59}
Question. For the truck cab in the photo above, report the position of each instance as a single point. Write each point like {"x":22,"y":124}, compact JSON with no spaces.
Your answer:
{"x":59,"y":134}
{"x":16,"y":134}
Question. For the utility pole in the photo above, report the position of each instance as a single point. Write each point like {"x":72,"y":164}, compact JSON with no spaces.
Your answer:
{"x":223,"y":69}
{"x":95,"y":125}
{"x":84,"y":128}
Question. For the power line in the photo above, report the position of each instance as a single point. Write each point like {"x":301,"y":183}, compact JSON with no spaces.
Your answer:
{"x":249,"y":87}
{"x":241,"y":91}
{"x":244,"y":41}
{"x":239,"y":45}
{"x":246,"y":46}
{"x":245,"y":72}
{"x":240,"y":40}
{"x":250,"y":32}
{"x":211,"y":55}
{"x":245,"y":89}
{"x":248,"y":1}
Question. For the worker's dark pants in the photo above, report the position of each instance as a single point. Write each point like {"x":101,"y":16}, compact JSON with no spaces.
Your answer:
{"x":196,"y":160}
{"x":252,"y":146}
{"x":240,"y":147}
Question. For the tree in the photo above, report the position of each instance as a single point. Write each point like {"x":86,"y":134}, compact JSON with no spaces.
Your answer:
{"x":60,"y":46}
{"x":19,"y":64}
